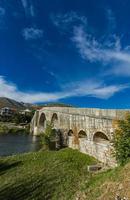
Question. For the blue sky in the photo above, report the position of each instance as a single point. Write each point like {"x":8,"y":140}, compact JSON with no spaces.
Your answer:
{"x":70,"y":51}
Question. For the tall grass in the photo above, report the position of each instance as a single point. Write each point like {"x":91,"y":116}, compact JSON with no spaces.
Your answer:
{"x":45,"y":175}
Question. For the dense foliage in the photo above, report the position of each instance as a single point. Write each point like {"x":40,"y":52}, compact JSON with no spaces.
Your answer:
{"x":48,"y":137}
{"x":18,"y":118}
{"x":122,"y":140}
{"x":22,"y":118}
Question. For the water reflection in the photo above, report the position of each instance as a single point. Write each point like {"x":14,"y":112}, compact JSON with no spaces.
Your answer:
{"x":14,"y":144}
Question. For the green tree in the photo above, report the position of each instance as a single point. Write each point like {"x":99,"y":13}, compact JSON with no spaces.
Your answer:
{"x":121,"y":140}
{"x":22,"y":118}
{"x":46,"y":137}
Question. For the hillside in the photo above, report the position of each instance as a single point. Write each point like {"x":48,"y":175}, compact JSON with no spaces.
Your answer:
{"x":107,"y":185}
{"x":6,"y":102}
{"x":60,"y":175}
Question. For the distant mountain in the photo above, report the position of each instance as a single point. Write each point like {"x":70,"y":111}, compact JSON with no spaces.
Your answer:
{"x":6,"y":102}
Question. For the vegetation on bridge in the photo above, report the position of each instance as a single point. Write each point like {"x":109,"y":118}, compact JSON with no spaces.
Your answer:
{"x":48,"y":137}
{"x":122,"y":140}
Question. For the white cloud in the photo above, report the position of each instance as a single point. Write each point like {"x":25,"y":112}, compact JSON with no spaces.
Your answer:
{"x":2,"y":19}
{"x":107,"y":52}
{"x":108,"y":91}
{"x":90,"y":49}
{"x":28,"y":8}
{"x":32,"y":33}
{"x":84,"y":88}
{"x":65,"y":20}
{"x":32,"y":11}
{"x":123,"y":69}
{"x":24,"y":4}
{"x":111,"y":20}
{"x":94,"y":88}
{"x":10,"y":90}
{"x":2,"y":11}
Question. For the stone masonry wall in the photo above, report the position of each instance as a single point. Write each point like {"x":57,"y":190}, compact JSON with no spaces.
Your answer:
{"x":90,"y":121}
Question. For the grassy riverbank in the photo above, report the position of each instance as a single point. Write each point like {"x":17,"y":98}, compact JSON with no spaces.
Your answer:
{"x":60,"y":175}
{"x":12,"y":128}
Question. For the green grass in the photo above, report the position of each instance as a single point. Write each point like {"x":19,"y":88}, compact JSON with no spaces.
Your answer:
{"x":59,"y":175}
{"x":106,"y":185}
{"x":44,"y":175}
{"x":94,"y":188}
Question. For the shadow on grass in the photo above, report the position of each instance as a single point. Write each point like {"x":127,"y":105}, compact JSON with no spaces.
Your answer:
{"x":5,"y":166}
{"x":38,"y":188}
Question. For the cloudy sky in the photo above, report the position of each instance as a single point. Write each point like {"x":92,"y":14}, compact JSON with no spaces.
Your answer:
{"x":71,"y":51}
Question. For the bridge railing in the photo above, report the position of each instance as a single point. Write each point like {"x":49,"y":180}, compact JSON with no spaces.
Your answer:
{"x":83,"y":115}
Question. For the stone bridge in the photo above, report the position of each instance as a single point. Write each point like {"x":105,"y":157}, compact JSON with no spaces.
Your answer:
{"x":87,"y":129}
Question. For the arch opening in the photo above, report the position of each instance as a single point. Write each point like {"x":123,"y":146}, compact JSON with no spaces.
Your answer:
{"x":82,"y":134}
{"x":70,"y":133}
{"x":42,"y":121}
{"x":54,"y":119}
{"x":55,"y":139}
{"x":100,"y":137}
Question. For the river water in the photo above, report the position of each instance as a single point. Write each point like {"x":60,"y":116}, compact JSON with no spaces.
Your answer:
{"x":13,"y":144}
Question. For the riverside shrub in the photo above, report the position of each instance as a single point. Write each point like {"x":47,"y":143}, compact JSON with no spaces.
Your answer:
{"x":121,"y":140}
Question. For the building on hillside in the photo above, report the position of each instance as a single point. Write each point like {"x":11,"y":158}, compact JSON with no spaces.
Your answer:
{"x":6,"y":111}
{"x":25,"y":111}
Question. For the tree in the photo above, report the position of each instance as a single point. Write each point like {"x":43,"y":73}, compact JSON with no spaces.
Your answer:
{"x":46,"y":136}
{"x":121,"y":141}
{"x":22,"y":118}
{"x":75,"y":138}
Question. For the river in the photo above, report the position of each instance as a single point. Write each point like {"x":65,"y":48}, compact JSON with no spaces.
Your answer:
{"x":13,"y":144}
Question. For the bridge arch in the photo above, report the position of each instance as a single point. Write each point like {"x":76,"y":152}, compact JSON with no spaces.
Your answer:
{"x":82,"y":134}
{"x":42,"y":122}
{"x":70,"y":138}
{"x":100,"y":137}
{"x":101,"y":147}
{"x":54,"y":119}
{"x":82,"y":137}
{"x":70,"y":132}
